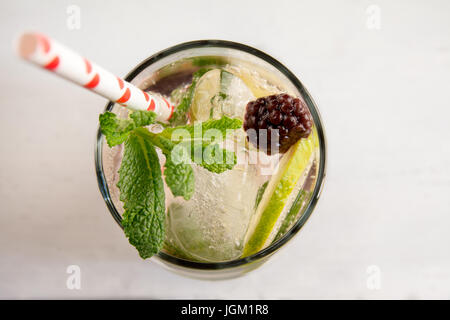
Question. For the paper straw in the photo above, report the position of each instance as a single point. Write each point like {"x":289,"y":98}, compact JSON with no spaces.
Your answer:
{"x":55,"y":57}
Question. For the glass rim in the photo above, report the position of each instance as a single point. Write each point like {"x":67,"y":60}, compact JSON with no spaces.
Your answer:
{"x":103,"y":186}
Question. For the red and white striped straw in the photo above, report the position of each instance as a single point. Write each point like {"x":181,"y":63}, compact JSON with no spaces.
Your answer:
{"x":53,"y":56}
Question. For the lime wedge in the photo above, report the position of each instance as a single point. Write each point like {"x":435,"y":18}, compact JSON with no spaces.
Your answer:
{"x":218,"y":93}
{"x":268,"y":215}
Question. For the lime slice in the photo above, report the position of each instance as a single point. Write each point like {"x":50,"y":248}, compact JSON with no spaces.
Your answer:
{"x":257,"y":85}
{"x":268,"y":216}
{"x":219,"y":93}
{"x":294,"y":213}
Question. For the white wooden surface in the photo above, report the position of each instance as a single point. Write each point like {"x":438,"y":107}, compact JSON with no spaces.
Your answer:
{"x":384,"y":95}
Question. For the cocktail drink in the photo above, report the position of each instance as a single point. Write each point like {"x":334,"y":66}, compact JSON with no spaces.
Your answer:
{"x":231,"y":176}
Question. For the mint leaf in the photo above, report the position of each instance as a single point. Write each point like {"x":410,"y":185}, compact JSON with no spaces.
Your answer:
{"x":179,"y":116}
{"x":222,"y":125}
{"x":142,"y":192}
{"x":211,"y":152}
{"x":203,"y":151}
{"x":210,"y":156}
{"x":143,"y":118}
{"x":179,"y":177}
{"x":178,"y":173}
{"x":116,"y":130}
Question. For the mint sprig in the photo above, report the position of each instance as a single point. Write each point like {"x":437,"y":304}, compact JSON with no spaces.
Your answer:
{"x":199,"y":146}
{"x":141,"y":184}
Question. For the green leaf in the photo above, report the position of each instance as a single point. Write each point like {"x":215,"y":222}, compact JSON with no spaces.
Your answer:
{"x":209,"y":61}
{"x":199,"y":138}
{"x":178,"y":173}
{"x":210,"y":156}
{"x":179,"y":177}
{"x":213,"y":150}
{"x":116,"y":130}
{"x":203,"y":152}
{"x":142,"y":192}
{"x":179,"y":116}
{"x":143,"y":118}
{"x":192,"y":131}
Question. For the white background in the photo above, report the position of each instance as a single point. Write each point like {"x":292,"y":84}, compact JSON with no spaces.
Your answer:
{"x":384,"y":96}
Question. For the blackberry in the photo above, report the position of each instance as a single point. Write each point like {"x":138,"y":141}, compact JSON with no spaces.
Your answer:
{"x":287,"y":119}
